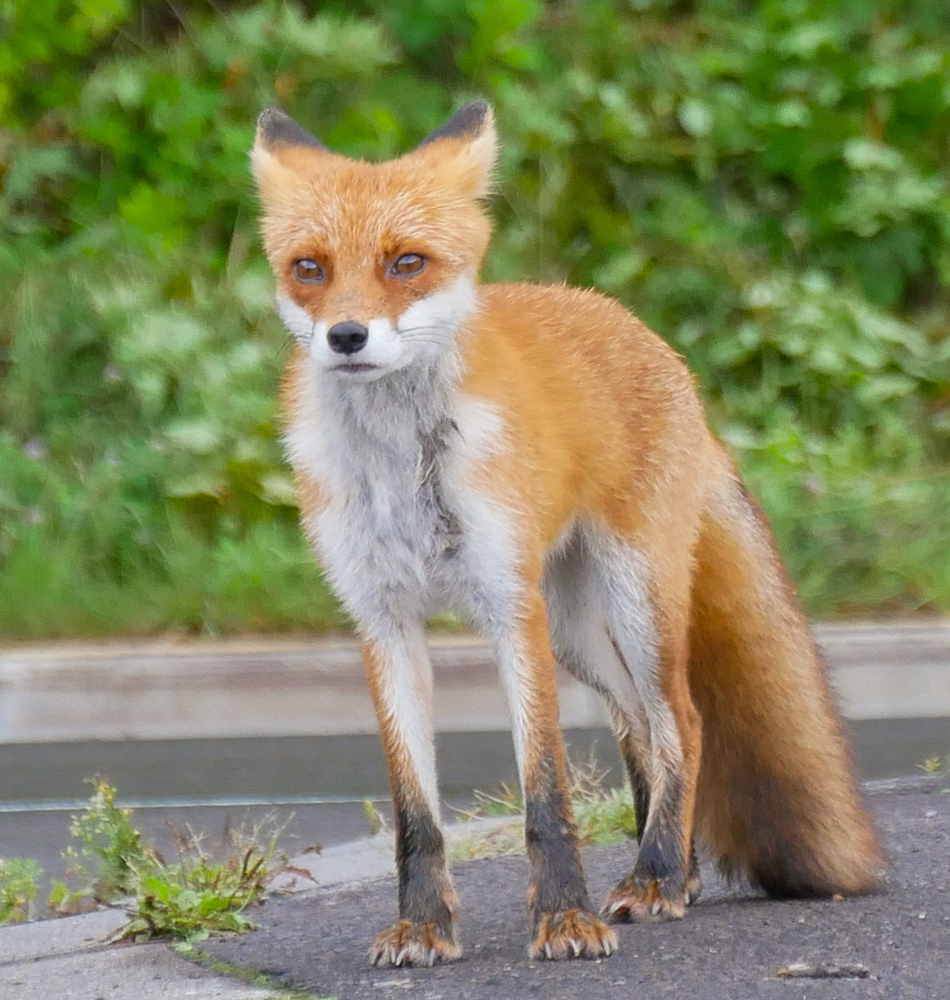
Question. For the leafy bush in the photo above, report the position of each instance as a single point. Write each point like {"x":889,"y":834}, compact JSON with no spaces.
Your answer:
{"x":766,"y":185}
{"x":201,"y":893}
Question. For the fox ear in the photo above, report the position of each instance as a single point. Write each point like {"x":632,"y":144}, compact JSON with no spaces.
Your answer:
{"x":275,"y":129}
{"x":276,"y":134}
{"x":468,"y":122}
{"x":467,"y":145}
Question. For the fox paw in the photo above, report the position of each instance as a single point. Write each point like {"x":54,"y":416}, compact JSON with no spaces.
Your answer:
{"x":639,"y":898}
{"x":572,"y":934}
{"x":408,"y":943}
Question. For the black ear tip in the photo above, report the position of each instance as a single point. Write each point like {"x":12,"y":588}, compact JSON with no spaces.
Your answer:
{"x":274,"y":128}
{"x":467,"y":122}
{"x":269,"y":115}
{"x":479,"y":109}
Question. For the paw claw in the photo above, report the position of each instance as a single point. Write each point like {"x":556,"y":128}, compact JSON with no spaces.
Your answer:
{"x":635,"y":899}
{"x":406,"y":943}
{"x":572,"y":934}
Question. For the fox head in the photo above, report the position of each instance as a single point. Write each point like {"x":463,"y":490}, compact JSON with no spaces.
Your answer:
{"x":375,"y":263}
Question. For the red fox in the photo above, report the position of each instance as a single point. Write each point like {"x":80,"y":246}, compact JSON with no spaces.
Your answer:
{"x":538,"y":459}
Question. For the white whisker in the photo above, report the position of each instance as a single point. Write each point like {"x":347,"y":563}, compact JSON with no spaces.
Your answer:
{"x":416,"y":338}
{"x":425,"y":329}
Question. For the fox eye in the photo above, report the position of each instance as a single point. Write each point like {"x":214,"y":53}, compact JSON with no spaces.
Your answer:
{"x":408,"y":265}
{"x":308,"y":271}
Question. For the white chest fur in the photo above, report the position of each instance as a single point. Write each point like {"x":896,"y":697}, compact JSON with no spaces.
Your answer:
{"x":403,"y":529}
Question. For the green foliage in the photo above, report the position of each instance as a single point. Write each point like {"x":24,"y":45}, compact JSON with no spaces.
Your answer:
{"x":108,"y":844}
{"x":765,"y":185}
{"x":603,"y":814}
{"x":199,"y":893}
{"x":202,"y":892}
{"x":935,"y":765}
{"x":19,"y":887}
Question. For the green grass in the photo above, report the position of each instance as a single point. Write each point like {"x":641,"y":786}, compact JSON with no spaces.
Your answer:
{"x":266,"y":580}
{"x":857,"y":544}
{"x":860,"y":542}
{"x":604,"y":815}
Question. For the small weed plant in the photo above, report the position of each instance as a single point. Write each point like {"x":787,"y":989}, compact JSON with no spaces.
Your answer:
{"x":377,"y":820}
{"x":110,"y":849}
{"x":935,"y":765}
{"x":202,"y":890}
{"x":604,"y":815}
{"x":19,"y":887}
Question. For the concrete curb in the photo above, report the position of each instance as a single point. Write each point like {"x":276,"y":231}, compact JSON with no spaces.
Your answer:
{"x":246,"y":688}
{"x":69,"y":958}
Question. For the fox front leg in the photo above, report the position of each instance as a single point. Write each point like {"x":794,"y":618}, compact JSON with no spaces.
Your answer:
{"x":400,"y":681}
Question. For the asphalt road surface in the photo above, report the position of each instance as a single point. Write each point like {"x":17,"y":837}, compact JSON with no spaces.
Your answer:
{"x":732,"y":945}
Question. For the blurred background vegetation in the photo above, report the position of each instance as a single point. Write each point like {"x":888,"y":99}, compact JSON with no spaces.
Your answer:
{"x":766,"y":183}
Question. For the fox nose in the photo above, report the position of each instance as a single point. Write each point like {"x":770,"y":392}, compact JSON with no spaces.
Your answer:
{"x":347,"y":337}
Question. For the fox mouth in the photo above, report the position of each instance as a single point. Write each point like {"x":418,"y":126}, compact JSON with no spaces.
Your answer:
{"x":355,"y":367}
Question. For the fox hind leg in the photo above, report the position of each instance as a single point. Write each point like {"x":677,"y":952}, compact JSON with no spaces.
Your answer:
{"x":633,"y":754}
{"x":603,"y":630}
{"x":647,"y":608}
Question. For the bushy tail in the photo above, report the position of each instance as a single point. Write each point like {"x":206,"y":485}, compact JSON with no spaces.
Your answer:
{"x":777,"y":799}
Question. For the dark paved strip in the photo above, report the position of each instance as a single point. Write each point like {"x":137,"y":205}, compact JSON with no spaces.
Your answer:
{"x":284,"y":770}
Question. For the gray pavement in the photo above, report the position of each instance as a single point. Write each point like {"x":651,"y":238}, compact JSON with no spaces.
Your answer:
{"x":733,"y":945}
{"x":68,"y":959}
{"x":313,"y":937}
{"x":71,"y":958}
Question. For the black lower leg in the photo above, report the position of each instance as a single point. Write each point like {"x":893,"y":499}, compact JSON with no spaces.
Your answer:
{"x":639,"y":784}
{"x":660,"y":836}
{"x":661,"y":858}
{"x":425,"y":892}
{"x":557,"y":877}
